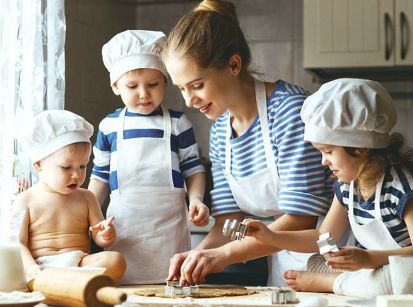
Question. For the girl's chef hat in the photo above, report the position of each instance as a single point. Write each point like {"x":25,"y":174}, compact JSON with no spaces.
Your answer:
{"x":54,"y":129}
{"x":349,"y":112}
{"x":131,"y":50}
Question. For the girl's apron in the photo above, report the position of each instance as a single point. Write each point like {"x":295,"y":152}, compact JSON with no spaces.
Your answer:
{"x":374,"y":234}
{"x":150,"y":213}
{"x":258,"y":194}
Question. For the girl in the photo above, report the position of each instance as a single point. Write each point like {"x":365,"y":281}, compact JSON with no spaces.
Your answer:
{"x":348,"y":121}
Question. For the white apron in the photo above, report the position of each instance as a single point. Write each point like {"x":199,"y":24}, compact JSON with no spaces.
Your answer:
{"x":258,"y":194}
{"x":373,"y":235}
{"x":151,"y":217}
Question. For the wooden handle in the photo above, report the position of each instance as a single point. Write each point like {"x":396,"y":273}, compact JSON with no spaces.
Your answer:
{"x":111,"y":296}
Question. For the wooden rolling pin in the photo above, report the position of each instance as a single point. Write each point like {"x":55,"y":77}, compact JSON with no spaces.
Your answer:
{"x":65,"y":287}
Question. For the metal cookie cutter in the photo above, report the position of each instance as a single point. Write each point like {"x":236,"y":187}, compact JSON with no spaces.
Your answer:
{"x":234,"y":229}
{"x":173,"y":288}
{"x":326,"y":244}
{"x":283,"y":296}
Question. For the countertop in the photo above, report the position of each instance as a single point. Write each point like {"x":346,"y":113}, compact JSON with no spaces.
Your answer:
{"x":262,"y":298}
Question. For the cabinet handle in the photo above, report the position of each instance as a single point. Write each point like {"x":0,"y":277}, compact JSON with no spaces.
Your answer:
{"x":404,"y":40}
{"x":388,"y":36}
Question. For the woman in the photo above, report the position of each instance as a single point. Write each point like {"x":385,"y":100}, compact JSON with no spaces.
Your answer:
{"x":260,"y":163}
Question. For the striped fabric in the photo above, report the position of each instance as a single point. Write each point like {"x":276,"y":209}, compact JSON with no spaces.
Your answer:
{"x":395,"y":193}
{"x":305,"y":189}
{"x":317,"y":264}
{"x":184,"y":149}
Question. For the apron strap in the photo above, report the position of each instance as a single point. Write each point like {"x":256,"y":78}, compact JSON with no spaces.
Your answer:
{"x":120,"y":126}
{"x":119,"y":134}
{"x":377,"y":197}
{"x":350,"y":200}
{"x":166,"y":123}
{"x":167,"y":136}
{"x":261,"y":100}
{"x":261,"y":96}
{"x":228,"y":147}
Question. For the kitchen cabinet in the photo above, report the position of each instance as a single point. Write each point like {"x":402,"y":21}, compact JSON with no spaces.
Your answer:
{"x":358,"y":33}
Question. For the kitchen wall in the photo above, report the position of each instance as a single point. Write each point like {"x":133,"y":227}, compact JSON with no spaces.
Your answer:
{"x":89,"y":25}
{"x":272,"y":27}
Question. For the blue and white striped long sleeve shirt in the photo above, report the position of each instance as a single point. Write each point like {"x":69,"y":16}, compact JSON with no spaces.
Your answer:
{"x":184,"y":149}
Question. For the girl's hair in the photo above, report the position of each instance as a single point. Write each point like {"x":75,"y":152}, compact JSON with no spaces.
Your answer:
{"x":397,"y":153}
{"x":210,"y":34}
{"x":80,"y":148}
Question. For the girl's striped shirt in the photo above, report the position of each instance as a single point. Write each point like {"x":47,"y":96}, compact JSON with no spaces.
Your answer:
{"x":396,"y":191}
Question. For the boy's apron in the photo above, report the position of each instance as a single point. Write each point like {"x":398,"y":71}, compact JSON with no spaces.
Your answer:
{"x":373,"y":235}
{"x":258,"y":194}
{"x":150,"y":214}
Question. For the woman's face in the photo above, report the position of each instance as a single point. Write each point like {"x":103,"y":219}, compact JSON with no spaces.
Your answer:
{"x":205,"y":89}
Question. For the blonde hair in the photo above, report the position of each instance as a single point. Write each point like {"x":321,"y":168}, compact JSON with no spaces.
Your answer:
{"x":397,"y":153}
{"x":80,"y":148}
{"x":210,"y":34}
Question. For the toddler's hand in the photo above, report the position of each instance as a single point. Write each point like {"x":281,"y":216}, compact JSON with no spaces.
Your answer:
{"x":350,"y":259}
{"x":198,"y":213}
{"x":33,"y":271}
{"x":104,"y":229}
{"x":258,"y":230}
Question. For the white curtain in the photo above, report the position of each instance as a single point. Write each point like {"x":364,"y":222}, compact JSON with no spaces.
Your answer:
{"x":32,"y":37}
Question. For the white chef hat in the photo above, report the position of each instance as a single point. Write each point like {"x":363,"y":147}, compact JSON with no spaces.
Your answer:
{"x":349,"y":112}
{"x":131,"y":50}
{"x":52,"y":130}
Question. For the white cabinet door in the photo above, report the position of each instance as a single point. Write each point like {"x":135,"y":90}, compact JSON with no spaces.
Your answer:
{"x":348,"y":33}
{"x":404,"y":32}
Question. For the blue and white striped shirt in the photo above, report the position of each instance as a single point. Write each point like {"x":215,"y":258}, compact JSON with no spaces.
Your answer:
{"x":305,"y":188}
{"x":395,"y":193}
{"x":184,"y":149}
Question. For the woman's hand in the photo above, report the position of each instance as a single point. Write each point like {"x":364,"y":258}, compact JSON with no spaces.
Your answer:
{"x":259,"y":231}
{"x":351,"y":259}
{"x":192,"y":267}
{"x":198,"y":213}
{"x":105,"y":231}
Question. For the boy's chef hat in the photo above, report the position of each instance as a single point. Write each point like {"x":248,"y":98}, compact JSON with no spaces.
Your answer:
{"x":131,"y":50}
{"x":54,"y":129}
{"x":349,"y":112}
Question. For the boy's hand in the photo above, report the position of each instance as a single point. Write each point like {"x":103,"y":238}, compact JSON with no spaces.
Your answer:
{"x":258,"y":230}
{"x":198,"y":213}
{"x":350,"y":259}
{"x":105,"y":230}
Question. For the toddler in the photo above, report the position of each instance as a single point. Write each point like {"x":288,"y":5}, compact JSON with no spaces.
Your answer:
{"x":59,"y":214}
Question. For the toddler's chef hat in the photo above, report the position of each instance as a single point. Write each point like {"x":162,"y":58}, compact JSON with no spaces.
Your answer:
{"x":349,"y":112}
{"x":52,"y":130}
{"x":131,"y":50}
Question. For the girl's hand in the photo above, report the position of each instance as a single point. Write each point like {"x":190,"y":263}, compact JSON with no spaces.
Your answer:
{"x":259,"y":231}
{"x":105,"y":230}
{"x":198,"y":213}
{"x":350,"y":259}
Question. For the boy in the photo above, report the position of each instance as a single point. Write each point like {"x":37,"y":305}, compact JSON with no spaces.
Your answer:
{"x":143,"y":153}
{"x":58,"y":213}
